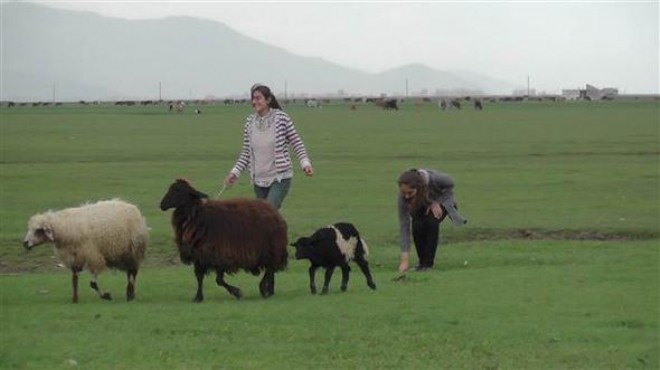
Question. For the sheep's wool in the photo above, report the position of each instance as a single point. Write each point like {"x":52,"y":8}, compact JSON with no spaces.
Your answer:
{"x":347,"y":247}
{"x":93,"y":233}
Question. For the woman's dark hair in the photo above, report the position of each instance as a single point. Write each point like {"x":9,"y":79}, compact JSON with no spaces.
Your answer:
{"x":413,"y":179}
{"x":268,"y":95}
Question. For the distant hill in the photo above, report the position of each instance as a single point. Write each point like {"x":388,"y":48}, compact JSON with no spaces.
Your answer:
{"x":74,"y":55}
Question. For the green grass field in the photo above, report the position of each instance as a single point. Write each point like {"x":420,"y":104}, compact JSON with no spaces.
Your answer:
{"x":558,"y":267}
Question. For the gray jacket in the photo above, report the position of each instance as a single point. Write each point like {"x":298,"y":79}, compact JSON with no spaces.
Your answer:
{"x":441,"y":190}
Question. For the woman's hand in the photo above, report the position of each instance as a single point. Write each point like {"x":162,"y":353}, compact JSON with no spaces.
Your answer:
{"x":436,"y":209}
{"x":230,"y":179}
{"x":309,"y":171}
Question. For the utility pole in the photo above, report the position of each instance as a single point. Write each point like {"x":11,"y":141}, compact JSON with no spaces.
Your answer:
{"x":54,"y":84}
{"x":406,"y":88}
{"x":285,"y":90}
{"x":528,"y":85}
{"x":160,"y":92}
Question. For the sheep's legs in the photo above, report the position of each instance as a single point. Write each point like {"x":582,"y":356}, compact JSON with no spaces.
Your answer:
{"x":345,"y":270}
{"x":131,"y":275}
{"x":95,"y":286}
{"x":220,"y":279}
{"x":328,"y":276}
{"x":199,"y":274}
{"x":364,"y":266}
{"x":312,"y":274}
{"x":74,"y":282}
{"x":267,"y":284}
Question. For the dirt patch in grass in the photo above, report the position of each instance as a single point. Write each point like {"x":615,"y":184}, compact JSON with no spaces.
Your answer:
{"x":588,"y":153}
{"x":13,"y":263}
{"x":545,"y":234}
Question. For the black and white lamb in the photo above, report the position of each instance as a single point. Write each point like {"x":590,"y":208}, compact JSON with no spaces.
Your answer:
{"x":106,"y":234}
{"x":332,"y":246}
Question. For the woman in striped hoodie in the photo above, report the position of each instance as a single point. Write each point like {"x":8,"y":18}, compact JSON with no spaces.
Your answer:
{"x":267,"y":135}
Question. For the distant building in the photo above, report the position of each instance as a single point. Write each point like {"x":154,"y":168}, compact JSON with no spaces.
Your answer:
{"x":571,"y":94}
{"x":524,"y":92}
{"x":591,"y":93}
{"x":595,"y":93}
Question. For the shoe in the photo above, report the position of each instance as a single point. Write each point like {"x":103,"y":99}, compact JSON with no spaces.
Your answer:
{"x":420,"y":268}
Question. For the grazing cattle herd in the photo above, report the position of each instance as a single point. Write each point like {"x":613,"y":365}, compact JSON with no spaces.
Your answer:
{"x":386,"y":103}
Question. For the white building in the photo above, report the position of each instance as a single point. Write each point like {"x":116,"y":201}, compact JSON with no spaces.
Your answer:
{"x":590,"y":93}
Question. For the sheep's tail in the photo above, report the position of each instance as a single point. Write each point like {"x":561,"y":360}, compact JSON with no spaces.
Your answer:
{"x":364,"y":247}
{"x":139,"y":243}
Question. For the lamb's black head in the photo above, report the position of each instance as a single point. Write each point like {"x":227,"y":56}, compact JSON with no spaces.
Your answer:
{"x":179,"y":194}
{"x":303,"y":248}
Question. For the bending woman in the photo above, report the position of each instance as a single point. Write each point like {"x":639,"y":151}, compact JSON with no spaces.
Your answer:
{"x":425,"y":198}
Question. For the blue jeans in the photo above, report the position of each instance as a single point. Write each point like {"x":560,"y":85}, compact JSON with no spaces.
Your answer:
{"x":275,"y":193}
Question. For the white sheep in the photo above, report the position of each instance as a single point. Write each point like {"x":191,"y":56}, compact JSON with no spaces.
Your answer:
{"x":96,"y":236}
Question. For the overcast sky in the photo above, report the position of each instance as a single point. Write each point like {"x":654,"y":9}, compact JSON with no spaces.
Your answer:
{"x":559,"y":44}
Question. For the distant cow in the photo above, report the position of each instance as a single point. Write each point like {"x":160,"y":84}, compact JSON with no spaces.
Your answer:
{"x":456,"y":104}
{"x":313,"y":103}
{"x":390,"y":104}
{"x":477,"y":104}
{"x":180,"y":106}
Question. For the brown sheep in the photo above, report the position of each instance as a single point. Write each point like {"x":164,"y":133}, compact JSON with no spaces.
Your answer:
{"x":227,"y":236}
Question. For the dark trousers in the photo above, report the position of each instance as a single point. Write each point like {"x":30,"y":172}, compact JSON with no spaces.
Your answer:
{"x":426,"y":235}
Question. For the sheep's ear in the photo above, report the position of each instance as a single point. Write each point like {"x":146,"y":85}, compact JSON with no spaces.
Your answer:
{"x":303,"y":241}
{"x":49,"y":234}
{"x":200,"y":195}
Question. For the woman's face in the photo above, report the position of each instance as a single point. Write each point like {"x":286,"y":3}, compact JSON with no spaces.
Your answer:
{"x":407,"y":192}
{"x":259,"y":103}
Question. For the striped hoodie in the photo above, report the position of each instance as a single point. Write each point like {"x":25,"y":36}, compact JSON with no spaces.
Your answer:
{"x":285,"y":135}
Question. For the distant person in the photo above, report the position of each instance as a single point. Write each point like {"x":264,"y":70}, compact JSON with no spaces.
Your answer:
{"x":426,"y":197}
{"x":267,"y":135}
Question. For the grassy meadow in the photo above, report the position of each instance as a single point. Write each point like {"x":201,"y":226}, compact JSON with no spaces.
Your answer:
{"x":558,"y":267}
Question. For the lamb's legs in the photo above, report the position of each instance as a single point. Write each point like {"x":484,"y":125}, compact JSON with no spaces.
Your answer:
{"x":364,"y":266}
{"x":131,"y":276}
{"x":95,"y":286}
{"x":199,"y":274}
{"x":220,"y":279}
{"x":345,"y":270}
{"x":312,"y":274}
{"x":326,"y":282}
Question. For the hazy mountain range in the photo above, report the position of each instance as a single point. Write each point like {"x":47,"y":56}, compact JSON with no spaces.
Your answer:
{"x":66,"y":55}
